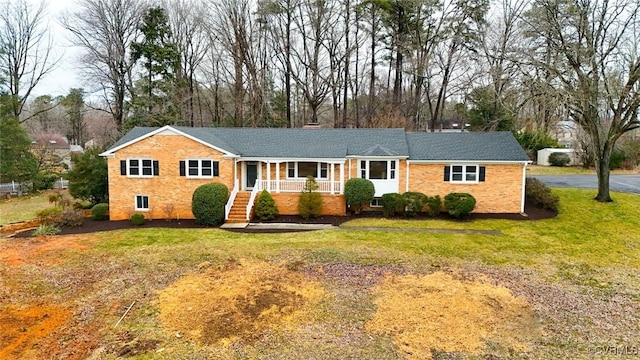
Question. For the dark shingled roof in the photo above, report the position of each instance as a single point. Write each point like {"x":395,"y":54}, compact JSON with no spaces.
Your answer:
{"x":339,"y":143}
{"x":477,"y":146}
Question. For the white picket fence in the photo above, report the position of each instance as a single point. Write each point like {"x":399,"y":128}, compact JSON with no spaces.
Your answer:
{"x":16,"y":188}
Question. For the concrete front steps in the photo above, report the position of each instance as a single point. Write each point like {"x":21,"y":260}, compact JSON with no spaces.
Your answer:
{"x":238,"y":213}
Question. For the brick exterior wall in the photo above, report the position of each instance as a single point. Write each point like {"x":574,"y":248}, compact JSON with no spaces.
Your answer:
{"x":331,"y":204}
{"x":170,"y":194}
{"x":501,"y":192}
{"x":169,"y":189}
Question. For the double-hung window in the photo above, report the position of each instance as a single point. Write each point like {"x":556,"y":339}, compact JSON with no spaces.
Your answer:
{"x":139,"y":167}
{"x":464,"y":173}
{"x":142,"y":203}
{"x":302,"y":169}
{"x":199,"y":168}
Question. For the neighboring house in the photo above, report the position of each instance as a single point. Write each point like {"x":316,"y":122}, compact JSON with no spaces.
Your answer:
{"x":156,"y":170}
{"x":51,"y":150}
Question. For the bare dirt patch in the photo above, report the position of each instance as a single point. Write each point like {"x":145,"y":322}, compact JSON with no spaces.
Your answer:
{"x":236,"y":302}
{"x":43,"y":249}
{"x":444,"y":313}
{"x":24,"y":327}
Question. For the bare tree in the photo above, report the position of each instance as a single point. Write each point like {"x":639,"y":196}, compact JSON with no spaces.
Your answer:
{"x":311,"y":59}
{"x":187,"y":19}
{"x":105,"y":30}
{"x":600,"y":74}
{"x":25,"y":49}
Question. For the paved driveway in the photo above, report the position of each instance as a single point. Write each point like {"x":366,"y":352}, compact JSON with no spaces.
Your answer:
{"x":622,"y":183}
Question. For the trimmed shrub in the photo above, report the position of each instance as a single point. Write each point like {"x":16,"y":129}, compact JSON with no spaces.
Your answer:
{"x":137,"y":219}
{"x":46,"y":230}
{"x":49,"y":216}
{"x":266,"y":208}
{"x":434,"y":204}
{"x":392,"y":204}
{"x":559,"y":159}
{"x":310,"y":202}
{"x":459,"y":205}
{"x":540,"y":195}
{"x":207,"y":203}
{"x":414,"y":202}
{"x":100,"y":211}
{"x":71,"y":218}
{"x":358,"y":192}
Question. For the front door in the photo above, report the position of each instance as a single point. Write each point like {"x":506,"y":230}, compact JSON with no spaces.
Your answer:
{"x":252,"y":175}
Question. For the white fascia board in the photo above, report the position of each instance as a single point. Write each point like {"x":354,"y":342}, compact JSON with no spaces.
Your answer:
{"x":162,"y":129}
{"x":282,"y":160}
{"x":377,"y":157}
{"x":468,"y":162}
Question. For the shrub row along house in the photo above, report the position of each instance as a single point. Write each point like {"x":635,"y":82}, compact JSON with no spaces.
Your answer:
{"x":156,"y":170}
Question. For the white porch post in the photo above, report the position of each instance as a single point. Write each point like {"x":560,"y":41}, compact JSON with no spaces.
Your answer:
{"x":268,"y":176}
{"x":277,"y":176}
{"x":332,"y":178}
{"x":342,"y":177}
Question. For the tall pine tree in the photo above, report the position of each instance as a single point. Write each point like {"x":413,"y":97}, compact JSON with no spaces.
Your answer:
{"x":154,"y":101}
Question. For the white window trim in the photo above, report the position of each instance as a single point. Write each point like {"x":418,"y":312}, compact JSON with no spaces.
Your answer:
{"x":368,"y":167}
{"x":377,"y":201}
{"x":199,"y":176}
{"x":135,"y":202}
{"x":464,"y":174}
{"x":319,"y":170}
{"x":140,"y":175}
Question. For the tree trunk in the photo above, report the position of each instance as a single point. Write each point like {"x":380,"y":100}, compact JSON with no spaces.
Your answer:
{"x":397,"y":82}
{"x":603,"y":171}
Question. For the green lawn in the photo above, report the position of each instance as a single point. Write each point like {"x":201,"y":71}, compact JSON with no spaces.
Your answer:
{"x":23,"y":208}
{"x":570,"y":170}
{"x":576,"y":273}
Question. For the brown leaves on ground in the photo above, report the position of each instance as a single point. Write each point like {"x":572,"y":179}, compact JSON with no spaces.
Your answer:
{"x":239,"y":301}
{"x":442,"y":313}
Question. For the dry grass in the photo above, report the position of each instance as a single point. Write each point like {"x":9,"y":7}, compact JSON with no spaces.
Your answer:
{"x":443,"y":313}
{"x":237,"y":301}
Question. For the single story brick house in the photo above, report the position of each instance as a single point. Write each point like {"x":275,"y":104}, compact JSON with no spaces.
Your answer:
{"x":156,"y":170}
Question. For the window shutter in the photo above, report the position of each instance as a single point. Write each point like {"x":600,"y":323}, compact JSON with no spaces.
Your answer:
{"x":123,"y":167}
{"x":447,"y":172}
{"x":216,"y":169}
{"x":156,"y":168}
{"x":482,"y":171}
{"x":183,"y":171}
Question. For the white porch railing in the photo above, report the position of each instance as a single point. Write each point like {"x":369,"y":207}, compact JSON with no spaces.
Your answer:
{"x":232,"y":198}
{"x":324,"y":186}
{"x":252,"y":199}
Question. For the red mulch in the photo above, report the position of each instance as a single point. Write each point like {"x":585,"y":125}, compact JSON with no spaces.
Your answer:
{"x":91,"y":225}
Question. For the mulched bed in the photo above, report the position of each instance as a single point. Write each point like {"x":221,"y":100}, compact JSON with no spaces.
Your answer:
{"x":90,"y":225}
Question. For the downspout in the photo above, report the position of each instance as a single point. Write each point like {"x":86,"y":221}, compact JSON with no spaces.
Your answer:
{"x":407,"y":179}
{"x":524,"y":182}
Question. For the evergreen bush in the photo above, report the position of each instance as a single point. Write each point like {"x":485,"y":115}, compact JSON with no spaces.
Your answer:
{"x":266,"y":208}
{"x":414,"y":203}
{"x":459,"y":205}
{"x":358,"y":192}
{"x":539,"y":195}
{"x":434,"y":204}
{"x":100,"y":211}
{"x":559,"y":159}
{"x":310,"y":202}
{"x":392,"y":204}
{"x":207,"y":203}
{"x":137,"y":219}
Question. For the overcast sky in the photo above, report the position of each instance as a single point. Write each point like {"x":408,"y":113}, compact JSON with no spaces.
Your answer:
{"x":64,"y":77}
